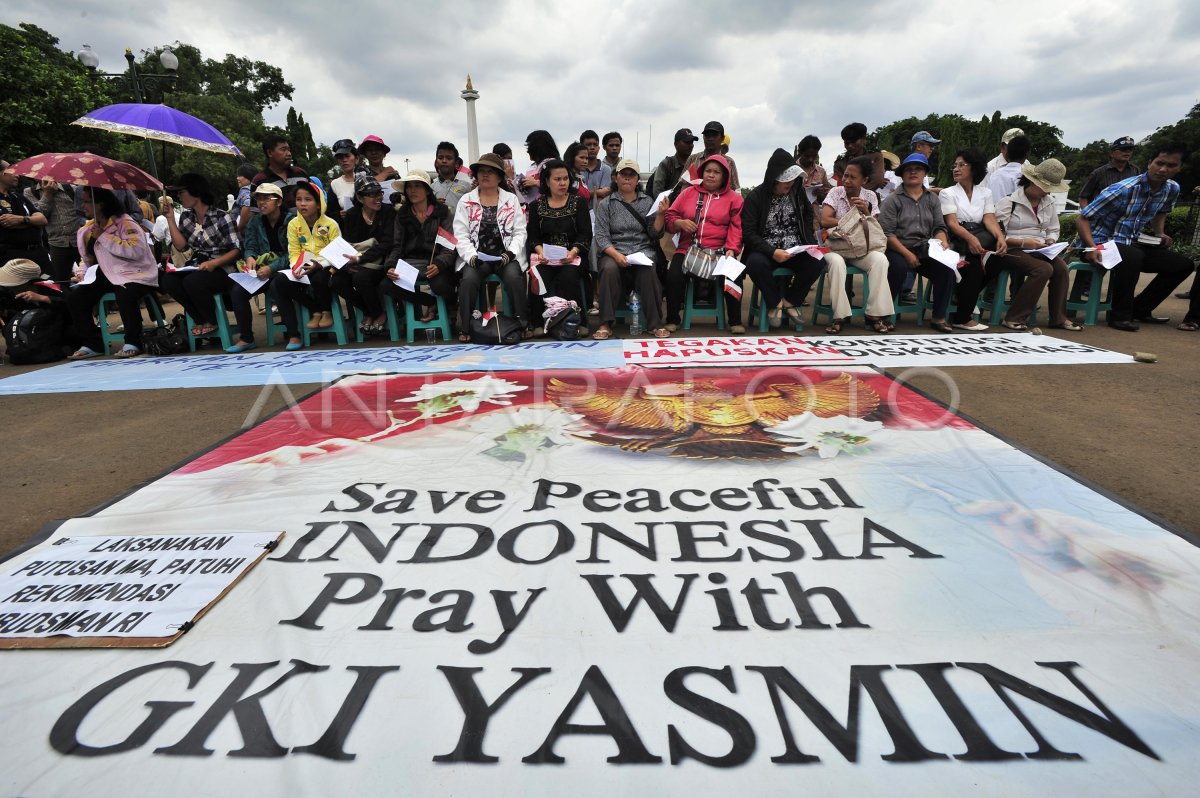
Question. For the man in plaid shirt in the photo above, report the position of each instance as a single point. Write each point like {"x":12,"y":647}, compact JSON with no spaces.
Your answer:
{"x":1118,"y":216}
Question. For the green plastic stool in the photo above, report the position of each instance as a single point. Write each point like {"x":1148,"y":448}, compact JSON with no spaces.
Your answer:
{"x":109,"y":337}
{"x":337,"y":329}
{"x":691,"y":312}
{"x":999,"y":304}
{"x":761,"y":310}
{"x":821,"y":308}
{"x":1094,"y":305}
{"x":412,"y":323}
{"x":484,"y":296}
{"x":225,"y":331}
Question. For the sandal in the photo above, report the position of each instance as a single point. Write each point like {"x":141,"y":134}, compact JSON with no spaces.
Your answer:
{"x":204,"y":329}
{"x":941,"y":326}
{"x":1015,"y":325}
{"x":1188,"y":326}
{"x":83,"y":353}
{"x":127,"y":351}
{"x":427,"y":315}
{"x":835,"y":326}
{"x":661,"y":332}
{"x":1067,"y":325}
{"x":463,"y":338}
{"x":880,"y":325}
{"x":602,"y":334}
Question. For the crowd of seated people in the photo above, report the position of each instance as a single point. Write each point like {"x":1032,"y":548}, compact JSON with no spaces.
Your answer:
{"x":580,"y":227}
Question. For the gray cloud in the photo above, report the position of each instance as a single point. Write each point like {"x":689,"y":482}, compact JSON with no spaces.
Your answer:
{"x":771,"y":70}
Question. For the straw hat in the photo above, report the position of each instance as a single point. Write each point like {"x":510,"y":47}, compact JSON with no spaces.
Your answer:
{"x":1048,"y":175}
{"x":19,"y":271}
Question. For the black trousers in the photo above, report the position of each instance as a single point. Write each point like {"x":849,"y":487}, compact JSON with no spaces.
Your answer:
{"x":360,"y":288}
{"x":195,"y":291}
{"x":1170,"y":269}
{"x":82,"y":299}
{"x":941,"y":277}
{"x":317,"y":297}
{"x":805,"y":271}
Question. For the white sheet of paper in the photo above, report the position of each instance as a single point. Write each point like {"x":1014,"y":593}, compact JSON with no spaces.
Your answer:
{"x":796,"y":250}
{"x":658,"y":200}
{"x":186,"y":268}
{"x":303,"y":279}
{"x":1052,"y":251}
{"x":486,"y":258}
{"x":89,"y":276}
{"x":945,"y":256}
{"x":675,"y":240}
{"x":729,"y":267}
{"x":1110,"y":256}
{"x":408,"y":275}
{"x":248,"y":280}
{"x":640,"y":259}
{"x":338,"y":251}
{"x":554,"y":253}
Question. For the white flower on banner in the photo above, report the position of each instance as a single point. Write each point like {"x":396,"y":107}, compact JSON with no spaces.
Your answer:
{"x":828,"y":436}
{"x":440,"y":398}
{"x":519,"y":434}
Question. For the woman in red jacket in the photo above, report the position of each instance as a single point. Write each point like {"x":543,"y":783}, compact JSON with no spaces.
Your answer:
{"x":711,"y":215}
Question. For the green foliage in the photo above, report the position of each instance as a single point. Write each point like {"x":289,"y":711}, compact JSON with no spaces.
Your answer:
{"x":1066,"y":227}
{"x":45,"y":90}
{"x":958,"y":132}
{"x":1187,"y":131}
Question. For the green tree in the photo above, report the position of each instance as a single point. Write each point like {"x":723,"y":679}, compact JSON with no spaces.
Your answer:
{"x":45,"y":90}
{"x":1187,"y":132}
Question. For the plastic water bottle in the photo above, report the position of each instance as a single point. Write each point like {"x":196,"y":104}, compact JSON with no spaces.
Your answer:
{"x":635,"y":314}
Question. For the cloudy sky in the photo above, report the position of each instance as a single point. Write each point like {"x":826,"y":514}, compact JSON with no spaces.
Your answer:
{"x":770,"y":70}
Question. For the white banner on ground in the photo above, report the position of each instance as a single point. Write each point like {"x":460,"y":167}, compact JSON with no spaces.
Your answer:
{"x":636,"y":582}
{"x":889,"y":351}
{"x":125,"y":586}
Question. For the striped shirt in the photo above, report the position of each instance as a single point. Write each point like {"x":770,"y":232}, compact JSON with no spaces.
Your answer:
{"x":1124,"y":208}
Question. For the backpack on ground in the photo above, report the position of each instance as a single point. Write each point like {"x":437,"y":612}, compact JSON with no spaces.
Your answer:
{"x":34,"y":336}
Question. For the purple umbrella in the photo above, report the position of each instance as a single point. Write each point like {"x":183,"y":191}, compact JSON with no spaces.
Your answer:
{"x":159,"y":122}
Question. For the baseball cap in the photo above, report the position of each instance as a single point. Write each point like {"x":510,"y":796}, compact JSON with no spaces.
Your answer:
{"x":344,"y":147}
{"x":1011,"y":134}
{"x":269,"y":189}
{"x":924,"y":135}
{"x":627,"y":163}
{"x":685,"y":134}
{"x":1124,"y":143}
{"x":714,"y":127}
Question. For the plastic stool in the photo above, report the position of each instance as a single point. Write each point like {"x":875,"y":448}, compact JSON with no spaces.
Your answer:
{"x":1094,"y":305}
{"x":691,"y":312}
{"x":337,"y":329}
{"x":826,"y":308}
{"x":225,"y":331}
{"x":109,"y":337}
{"x":412,"y":323}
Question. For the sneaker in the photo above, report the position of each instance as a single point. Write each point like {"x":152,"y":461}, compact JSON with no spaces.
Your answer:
{"x":738,"y":329}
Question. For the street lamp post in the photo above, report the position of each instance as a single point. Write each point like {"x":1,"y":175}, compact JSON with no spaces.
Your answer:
{"x":140,"y":82}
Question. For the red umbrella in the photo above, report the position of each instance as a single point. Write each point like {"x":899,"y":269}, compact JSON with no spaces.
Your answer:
{"x":86,"y":169}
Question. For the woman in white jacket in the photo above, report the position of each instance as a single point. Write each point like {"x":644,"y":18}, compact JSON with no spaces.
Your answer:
{"x":1030,"y":222}
{"x":490,"y":227}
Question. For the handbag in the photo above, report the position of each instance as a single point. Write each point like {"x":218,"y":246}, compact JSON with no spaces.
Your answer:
{"x":856,"y":235}
{"x":698,"y":261}
{"x":168,"y":340}
{"x":498,"y":329}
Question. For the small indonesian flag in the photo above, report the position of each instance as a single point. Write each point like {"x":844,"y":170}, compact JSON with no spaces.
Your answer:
{"x":489,"y":315}
{"x":302,"y":261}
{"x":536,"y":282}
{"x":445,"y":239}
{"x":734,"y":289}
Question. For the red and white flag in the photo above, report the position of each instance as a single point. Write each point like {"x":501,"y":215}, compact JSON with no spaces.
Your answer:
{"x":445,"y":239}
{"x":488,"y":315}
{"x":535,"y":280}
{"x":734,"y":289}
{"x":304,"y":259}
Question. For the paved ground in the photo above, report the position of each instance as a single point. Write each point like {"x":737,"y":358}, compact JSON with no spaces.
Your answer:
{"x":1132,"y":429}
